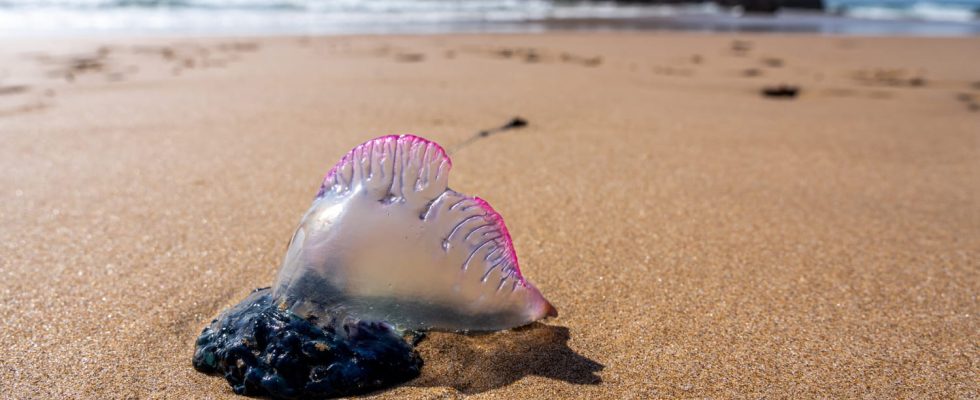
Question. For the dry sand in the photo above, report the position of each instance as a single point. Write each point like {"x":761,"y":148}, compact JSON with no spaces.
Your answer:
{"x":699,"y":240}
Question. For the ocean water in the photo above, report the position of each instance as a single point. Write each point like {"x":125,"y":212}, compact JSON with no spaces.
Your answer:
{"x":261,"y":17}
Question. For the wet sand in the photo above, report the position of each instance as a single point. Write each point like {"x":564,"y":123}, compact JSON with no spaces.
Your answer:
{"x":699,"y":239}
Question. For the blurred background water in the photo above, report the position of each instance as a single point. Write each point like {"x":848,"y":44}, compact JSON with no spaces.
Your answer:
{"x":261,"y":17}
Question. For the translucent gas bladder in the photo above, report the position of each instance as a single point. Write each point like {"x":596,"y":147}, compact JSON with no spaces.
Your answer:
{"x":387,"y":240}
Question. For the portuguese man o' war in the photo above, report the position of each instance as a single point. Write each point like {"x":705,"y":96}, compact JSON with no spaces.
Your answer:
{"x":387,"y":240}
{"x":386,"y":249}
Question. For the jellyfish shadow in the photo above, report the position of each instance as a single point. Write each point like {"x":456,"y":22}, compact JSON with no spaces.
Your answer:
{"x":476,"y":363}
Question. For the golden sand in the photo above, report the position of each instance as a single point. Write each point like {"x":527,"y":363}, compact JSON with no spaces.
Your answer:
{"x":699,"y":239}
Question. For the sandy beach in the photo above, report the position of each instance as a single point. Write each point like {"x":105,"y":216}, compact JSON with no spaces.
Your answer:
{"x":699,"y":239}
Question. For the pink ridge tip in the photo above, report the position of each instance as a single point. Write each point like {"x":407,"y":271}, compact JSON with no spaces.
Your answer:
{"x":380,"y":141}
{"x":498,"y":220}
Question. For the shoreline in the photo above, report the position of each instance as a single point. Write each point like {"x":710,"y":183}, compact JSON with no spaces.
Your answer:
{"x":791,"y":22}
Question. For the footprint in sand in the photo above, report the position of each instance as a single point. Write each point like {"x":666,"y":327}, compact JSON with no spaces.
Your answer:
{"x":583,"y":61}
{"x":71,"y":68}
{"x":842,"y":92}
{"x":772,"y":62}
{"x":673,"y":71}
{"x":180,"y":57}
{"x":889,"y":77}
{"x":115,"y":64}
{"x":529,"y":55}
{"x":970,"y":100}
{"x":13,"y":89}
{"x":20,"y":99}
{"x":409,"y":57}
{"x":741,"y":48}
{"x":533,"y":55}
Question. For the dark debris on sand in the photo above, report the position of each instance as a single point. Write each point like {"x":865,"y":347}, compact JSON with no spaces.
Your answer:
{"x":514,"y":123}
{"x":263,"y":350}
{"x":781,"y":91}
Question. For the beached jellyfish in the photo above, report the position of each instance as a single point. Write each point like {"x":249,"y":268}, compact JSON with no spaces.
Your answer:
{"x":386,"y":249}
